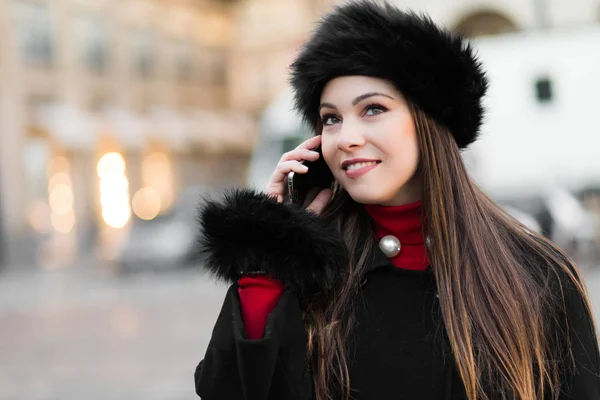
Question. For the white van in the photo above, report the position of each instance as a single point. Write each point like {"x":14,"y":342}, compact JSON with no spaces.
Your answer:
{"x":542,"y":126}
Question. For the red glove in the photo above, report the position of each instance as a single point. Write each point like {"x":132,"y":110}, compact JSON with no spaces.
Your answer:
{"x":258,"y":297}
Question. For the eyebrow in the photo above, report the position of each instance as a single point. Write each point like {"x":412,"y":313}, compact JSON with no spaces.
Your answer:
{"x":357,"y":99}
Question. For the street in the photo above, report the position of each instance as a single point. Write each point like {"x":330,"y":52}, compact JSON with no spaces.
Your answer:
{"x":86,"y":334}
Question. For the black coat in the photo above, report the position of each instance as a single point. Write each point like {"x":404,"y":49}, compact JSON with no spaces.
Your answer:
{"x":398,"y":348}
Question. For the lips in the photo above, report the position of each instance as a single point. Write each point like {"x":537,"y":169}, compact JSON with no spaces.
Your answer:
{"x":357,"y":163}
{"x":358,"y":169}
{"x":356,"y":166}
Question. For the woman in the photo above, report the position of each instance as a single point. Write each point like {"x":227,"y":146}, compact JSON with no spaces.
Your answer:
{"x":403,"y":280}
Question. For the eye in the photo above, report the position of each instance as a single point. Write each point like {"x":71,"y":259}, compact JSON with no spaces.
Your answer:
{"x":374,"y":109}
{"x":329,"y":119}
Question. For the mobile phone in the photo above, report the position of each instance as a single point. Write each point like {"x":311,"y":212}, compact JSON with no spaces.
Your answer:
{"x":301,"y":187}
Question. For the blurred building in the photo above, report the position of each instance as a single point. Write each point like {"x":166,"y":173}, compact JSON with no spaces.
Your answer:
{"x":269,"y":32}
{"x":108,"y":109}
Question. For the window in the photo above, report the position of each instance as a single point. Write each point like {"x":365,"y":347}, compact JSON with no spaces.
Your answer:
{"x":216,"y":67}
{"x":92,"y":33}
{"x":543,"y":90}
{"x":184,"y":61}
{"x":34,"y":32}
{"x":144,"y":52}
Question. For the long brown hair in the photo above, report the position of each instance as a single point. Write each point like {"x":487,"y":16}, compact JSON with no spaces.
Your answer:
{"x":500,"y":285}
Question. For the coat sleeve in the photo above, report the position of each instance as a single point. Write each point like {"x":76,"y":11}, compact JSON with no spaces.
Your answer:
{"x":249,"y":233}
{"x":582,"y":382}
{"x":273,"y":367}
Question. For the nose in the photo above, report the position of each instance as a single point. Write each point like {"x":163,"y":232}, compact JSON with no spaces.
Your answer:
{"x":350,"y":136}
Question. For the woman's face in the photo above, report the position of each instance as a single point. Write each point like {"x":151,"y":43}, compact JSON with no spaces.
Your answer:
{"x":369,"y":140}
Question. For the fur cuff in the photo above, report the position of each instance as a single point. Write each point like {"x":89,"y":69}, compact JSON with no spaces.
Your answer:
{"x":248,"y":232}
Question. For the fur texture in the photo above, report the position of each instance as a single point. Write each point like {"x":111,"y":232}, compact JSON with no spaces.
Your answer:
{"x":434,"y":69}
{"x":248,"y":232}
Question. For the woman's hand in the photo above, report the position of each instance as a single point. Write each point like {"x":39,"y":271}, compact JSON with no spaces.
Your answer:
{"x":289,"y":162}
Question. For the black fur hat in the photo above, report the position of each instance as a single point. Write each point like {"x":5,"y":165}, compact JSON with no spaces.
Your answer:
{"x":433,"y":68}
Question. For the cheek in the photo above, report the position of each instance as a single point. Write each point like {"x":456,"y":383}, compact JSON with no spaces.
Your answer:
{"x":412,"y":150}
{"x":408,"y":157}
{"x":402,"y":147}
{"x":328,"y":150}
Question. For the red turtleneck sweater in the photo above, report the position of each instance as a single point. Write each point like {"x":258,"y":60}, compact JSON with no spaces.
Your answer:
{"x":405,"y":223}
{"x":259,"y":294}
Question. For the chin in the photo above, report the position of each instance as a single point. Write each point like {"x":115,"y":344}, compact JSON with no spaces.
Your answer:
{"x":368,"y":197}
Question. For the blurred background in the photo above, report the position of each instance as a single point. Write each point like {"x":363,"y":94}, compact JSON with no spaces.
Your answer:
{"x":117,"y":116}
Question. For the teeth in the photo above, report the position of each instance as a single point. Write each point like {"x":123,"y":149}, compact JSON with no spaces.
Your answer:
{"x":360,"y":165}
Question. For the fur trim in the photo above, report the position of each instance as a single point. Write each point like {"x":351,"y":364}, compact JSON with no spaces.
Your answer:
{"x":248,"y":232}
{"x":433,"y":68}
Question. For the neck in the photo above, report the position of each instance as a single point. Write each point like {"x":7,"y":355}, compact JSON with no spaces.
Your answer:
{"x":405,"y":223}
{"x":411,"y":192}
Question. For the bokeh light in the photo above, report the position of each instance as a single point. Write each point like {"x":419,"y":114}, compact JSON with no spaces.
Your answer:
{"x":59,"y":178}
{"x":116,"y":217}
{"x":146,"y":203}
{"x":114,"y":190}
{"x":157,"y":173}
{"x":63,"y":223}
{"x":111,"y":164}
{"x":61,"y":199}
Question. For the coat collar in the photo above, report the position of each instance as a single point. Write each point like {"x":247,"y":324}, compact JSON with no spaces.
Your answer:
{"x":380,"y":261}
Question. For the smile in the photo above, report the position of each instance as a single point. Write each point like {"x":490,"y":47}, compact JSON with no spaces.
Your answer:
{"x":361,"y":168}
{"x":360,"y":165}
